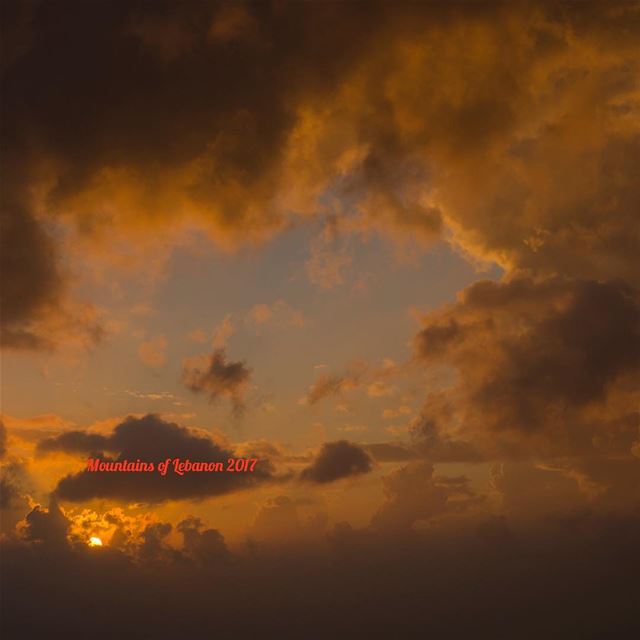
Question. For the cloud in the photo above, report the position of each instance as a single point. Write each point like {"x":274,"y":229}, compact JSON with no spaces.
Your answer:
{"x":545,"y":371}
{"x":152,"y":352}
{"x":3,"y":439}
{"x":537,"y":360}
{"x":222,"y":333}
{"x":393,"y":451}
{"x":358,"y":374}
{"x":218,"y":377}
{"x":278,"y":313}
{"x":37,"y":311}
{"x":414,"y":493}
{"x":150,"y":439}
{"x":206,"y":546}
{"x":434,"y":576}
{"x":32,"y":281}
{"x":43,"y":422}
{"x":197,"y":335}
{"x":260,"y":314}
{"x":331,"y":385}
{"x":14,"y":483}
{"x":337,"y":460}
{"x":379,"y":389}
{"x":48,"y":526}
{"x":512,"y":131}
{"x":402,"y":410}
{"x":74,"y":442}
{"x":281,"y":522}
{"x":329,"y":258}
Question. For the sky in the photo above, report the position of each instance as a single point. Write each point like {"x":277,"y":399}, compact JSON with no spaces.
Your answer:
{"x":389,"y":250}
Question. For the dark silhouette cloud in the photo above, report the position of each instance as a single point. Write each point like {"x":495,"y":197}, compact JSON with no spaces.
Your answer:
{"x":74,"y":442}
{"x":337,"y":460}
{"x":206,"y":546}
{"x":581,"y":577}
{"x":48,"y":526}
{"x":151,"y":439}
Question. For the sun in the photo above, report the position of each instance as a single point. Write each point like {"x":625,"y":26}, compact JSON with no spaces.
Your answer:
{"x":95,"y":541}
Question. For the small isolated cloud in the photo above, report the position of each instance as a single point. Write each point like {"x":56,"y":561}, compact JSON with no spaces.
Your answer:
{"x":260,"y":314}
{"x":218,"y":377}
{"x":379,"y":389}
{"x":279,"y":314}
{"x":337,"y":460}
{"x":152,"y":352}
{"x":158,"y":395}
{"x":330,"y":385}
{"x":403,"y":410}
{"x":358,"y":374}
{"x":222,"y":333}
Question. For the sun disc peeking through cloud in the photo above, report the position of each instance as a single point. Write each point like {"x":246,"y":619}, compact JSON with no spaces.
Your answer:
{"x":95,"y":541}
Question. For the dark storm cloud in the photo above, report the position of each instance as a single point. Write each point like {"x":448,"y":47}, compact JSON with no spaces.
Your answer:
{"x":547,"y":369}
{"x":103,"y":98}
{"x":151,"y":439}
{"x":513,"y":126}
{"x":30,"y":280}
{"x":166,"y":85}
{"x":337,"y":460}
{"x":529,"y":352}
{"x":216,"y":376}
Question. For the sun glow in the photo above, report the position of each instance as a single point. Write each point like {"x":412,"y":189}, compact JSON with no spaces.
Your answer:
{"x":95,"y":542}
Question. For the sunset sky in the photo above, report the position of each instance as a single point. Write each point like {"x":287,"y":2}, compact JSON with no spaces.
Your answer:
{"x":390,"y":249}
